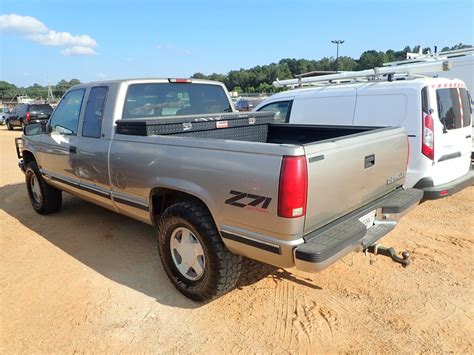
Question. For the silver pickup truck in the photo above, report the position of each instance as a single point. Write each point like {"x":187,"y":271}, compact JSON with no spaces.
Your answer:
{"x":218,"y":184}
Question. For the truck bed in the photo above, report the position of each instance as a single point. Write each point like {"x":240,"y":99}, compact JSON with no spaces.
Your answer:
{"x":347,"y":166}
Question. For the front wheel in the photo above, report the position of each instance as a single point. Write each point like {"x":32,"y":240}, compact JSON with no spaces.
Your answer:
{"x":9,"y":125}
{"x":192,"y":252}
{"x":44,"y":199}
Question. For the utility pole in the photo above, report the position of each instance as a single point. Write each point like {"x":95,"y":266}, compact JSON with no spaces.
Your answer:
{"x":337,"y":42}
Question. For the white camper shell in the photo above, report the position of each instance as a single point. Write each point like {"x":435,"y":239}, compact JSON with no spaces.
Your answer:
{"x":435,"y":112}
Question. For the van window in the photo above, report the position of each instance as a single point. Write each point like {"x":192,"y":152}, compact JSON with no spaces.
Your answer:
{"x":466,"y":107}
{"x":281,"y":110}
{"x":425,"y":102}
{"x":449,"y":109}
{"x":170,"y":99}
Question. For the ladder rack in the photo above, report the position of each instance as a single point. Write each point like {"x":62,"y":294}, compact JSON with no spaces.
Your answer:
{"x":410,"y":70}
{"x":433,"y":56}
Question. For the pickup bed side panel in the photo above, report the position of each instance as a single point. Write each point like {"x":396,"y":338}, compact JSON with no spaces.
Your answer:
{"x":239,"y":188}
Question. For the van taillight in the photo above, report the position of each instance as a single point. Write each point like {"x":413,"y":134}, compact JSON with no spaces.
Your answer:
{"x":427,"y":143}
{"x":28,"y":116}
{"x":293,"y":188}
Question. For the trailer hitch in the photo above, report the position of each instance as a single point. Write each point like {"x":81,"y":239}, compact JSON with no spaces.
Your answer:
{"x":391,"y":253}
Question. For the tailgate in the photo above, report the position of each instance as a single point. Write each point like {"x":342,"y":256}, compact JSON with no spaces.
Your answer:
{"x":347,"y":173}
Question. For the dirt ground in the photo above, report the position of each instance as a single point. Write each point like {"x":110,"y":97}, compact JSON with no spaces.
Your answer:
{"x":89,"y":280}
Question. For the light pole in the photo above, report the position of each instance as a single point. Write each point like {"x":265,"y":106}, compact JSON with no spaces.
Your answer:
{"x":337,"y":42}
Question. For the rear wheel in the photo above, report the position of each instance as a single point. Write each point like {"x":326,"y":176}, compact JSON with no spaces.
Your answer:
{"x":44,"y":199}
{"x":9,"y":125}
{"x":192,"y":252}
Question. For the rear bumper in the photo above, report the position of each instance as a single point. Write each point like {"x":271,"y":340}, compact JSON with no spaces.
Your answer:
{"x":431,"y":192}
{"x":330,"y":243}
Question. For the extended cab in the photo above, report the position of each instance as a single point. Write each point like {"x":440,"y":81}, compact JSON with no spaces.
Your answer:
{"x":218,"y":185}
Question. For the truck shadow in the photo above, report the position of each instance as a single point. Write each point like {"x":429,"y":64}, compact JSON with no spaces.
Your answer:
{"x":118,"y":247}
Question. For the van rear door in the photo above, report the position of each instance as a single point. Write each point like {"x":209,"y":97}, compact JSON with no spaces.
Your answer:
{"x":452,"y":138}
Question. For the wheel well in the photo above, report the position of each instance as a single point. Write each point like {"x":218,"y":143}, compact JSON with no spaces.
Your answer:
{"x":28,"y":157}
{"x":162,"y":198}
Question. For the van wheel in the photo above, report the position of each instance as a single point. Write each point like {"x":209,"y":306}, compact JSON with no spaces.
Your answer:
{"x":9,"y":125}
{"x":44,"y":199}
{"x":192,"y":252}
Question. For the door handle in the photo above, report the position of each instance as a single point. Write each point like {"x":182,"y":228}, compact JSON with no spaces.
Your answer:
{"x":369,"y":161}
{"x":72,"y":149}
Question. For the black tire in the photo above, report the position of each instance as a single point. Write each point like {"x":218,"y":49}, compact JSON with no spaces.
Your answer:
{"x":221,"y":268}
{"x":50,"y":198}
{"x":9,"y":126}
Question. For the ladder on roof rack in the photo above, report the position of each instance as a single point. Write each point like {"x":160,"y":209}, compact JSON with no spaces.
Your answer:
{"x":413,"y":70}
{"x":433,"y":56}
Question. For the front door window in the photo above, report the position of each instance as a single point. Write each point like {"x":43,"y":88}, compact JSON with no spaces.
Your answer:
{"x":65,"y":118}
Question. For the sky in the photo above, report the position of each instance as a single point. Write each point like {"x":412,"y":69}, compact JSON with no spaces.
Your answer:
{"x":44,"y":41}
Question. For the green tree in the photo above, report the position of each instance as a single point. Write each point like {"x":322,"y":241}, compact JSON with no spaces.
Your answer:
{"x":7,"y":89}
{"x":371,"y":59}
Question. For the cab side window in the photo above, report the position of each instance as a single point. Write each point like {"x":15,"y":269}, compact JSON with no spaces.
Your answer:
{"x":92,"y":126}
{"x":281,"y":109}
{"x":65,"y":118}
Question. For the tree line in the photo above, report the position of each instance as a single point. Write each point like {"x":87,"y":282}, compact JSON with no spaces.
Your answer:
{"x":259,"y":78}
{"x":8,"y":90}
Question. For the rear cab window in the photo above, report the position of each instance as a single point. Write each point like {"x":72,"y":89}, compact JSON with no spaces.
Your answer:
{"x":173,"y":99}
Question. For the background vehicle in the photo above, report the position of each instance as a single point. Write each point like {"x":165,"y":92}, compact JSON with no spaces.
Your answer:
{"x":462,"y":67}
{"x":218,"y":185}
{"x":436,"y":113}
{"x":4,"y":114}
{"x":247,"y":104}
{"x":24,"y":114}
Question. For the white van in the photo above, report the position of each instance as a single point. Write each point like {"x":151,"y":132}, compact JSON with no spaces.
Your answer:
{"x":436,"y":113}
{"x":462,"y":67}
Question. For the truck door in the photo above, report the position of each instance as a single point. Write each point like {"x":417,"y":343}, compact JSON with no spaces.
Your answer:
{"x":92,"y":150}
{"x":59,"y":147}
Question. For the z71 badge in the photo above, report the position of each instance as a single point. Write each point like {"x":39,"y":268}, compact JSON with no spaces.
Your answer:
{"x":394,"y":178}
{"x":243,"y":199}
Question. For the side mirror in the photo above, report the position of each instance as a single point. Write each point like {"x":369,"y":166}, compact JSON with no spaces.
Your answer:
{"x":34,"y":129}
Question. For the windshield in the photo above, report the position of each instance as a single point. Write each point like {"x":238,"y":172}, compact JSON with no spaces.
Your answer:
{"x":173,"y":99}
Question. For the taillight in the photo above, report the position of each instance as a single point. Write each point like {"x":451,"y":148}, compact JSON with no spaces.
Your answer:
{"x":293,"y":187}
{"x":427,"y":142}
{"x":28,"y":117}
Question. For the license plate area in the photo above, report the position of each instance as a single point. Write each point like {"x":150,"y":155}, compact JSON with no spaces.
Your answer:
{"x":368,"y":219}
